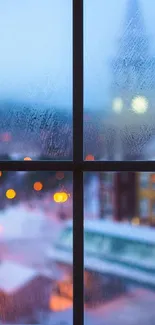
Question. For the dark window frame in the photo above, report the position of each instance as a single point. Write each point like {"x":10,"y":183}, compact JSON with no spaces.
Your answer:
{"x":77,"y":165}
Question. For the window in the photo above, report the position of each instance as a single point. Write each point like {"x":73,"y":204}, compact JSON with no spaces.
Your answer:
{"x":144,"y":180}
{"x":76,"y":163}
{"x":144,"y":208}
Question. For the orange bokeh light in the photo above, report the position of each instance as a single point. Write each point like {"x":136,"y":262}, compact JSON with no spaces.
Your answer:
{"x":38,"y":186}
{"x":90,"y":157}
{"x":60,"y":197}
{"x":27,"y":158}
{"x":0,"y":173}
{"x":10,"y":194}
{"x":153,"y":177}
{"x":58,"y":303}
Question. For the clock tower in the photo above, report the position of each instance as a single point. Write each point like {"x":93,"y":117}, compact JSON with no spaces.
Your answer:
{"x":133,"y":69}
{"x":132,"y":90}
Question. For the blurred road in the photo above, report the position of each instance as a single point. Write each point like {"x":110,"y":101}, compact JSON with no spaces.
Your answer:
{"x":133,"y":309}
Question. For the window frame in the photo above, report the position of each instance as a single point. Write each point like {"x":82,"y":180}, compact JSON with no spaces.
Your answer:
{"x":78,"y":166}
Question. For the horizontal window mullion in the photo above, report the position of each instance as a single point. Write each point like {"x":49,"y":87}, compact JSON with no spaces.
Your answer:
{"x":85,"y":166}
{"x":36,"y":165}
{"x":118,"y":166}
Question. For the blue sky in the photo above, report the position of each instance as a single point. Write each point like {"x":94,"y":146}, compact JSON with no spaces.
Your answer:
{"x":36,"y":48}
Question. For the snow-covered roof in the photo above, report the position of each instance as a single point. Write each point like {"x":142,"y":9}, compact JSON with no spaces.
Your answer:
{"x":17,"y":222}
{"x":14,"y":276}
{"x":128,"y":231}
{"x":122,"y":230}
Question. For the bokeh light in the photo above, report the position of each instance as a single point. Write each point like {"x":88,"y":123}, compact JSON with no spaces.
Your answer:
{"x":60,"y":175}
{"x":38,"y":186}
{"x":60,"y":197}
{"x":10,"y":194}
{"x":1,"y":173}
{"x":89,"y":157}
{"x":27,"y":158}
{"x":140,"y":104}
{"x":135,"y":221}
{"x":153,"y":178}
{"x":117,"y":105}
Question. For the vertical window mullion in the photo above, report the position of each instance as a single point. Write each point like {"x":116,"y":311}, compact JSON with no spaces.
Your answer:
{"x":78,"y":305}
{"x":78,"y":251}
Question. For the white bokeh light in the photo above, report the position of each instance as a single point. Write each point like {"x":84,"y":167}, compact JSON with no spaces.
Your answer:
{"x":139,"y":105}
{"x":117,"y":105}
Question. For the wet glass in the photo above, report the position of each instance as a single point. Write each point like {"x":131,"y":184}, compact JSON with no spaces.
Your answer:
{"x":36,"y":274}
{"x":119,"y":267}
{"x":36,"y":80}
{"x":119,"y":82}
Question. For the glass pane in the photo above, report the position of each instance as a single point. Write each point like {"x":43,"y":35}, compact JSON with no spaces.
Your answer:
{"x":119,"y":250}
{"x":119,"y":82}
{"x":36,"y":280}
{"x":36,"y":80}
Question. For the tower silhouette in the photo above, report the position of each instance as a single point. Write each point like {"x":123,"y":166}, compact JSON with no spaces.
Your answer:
{"x":132,"y":87}
{"x":133,"y":68}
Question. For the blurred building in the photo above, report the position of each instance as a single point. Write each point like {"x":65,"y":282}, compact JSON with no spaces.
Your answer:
{"x":23,"y":291}
{"x":106,"y":194}
{"x":127,"y":196}
{"x":145,"y":198}
{"x":117,"y":195}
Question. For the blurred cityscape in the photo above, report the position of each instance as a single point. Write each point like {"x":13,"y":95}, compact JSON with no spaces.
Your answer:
{"x":34,"y":208}
{"x":36,"y":280}
{"x":36,"y":237}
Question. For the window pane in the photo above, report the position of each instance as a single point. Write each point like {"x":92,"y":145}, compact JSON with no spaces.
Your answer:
{"x":36,"y":280}
{"x":36,"y":79}
{"x":119,"y":82}
{"x":119,"y":250}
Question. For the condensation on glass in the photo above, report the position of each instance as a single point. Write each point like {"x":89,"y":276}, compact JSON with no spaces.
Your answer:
{"x":36,"y":80}
{"x":36,"y":269}
{"x":119,"y":79}
{"x":119,"y":248}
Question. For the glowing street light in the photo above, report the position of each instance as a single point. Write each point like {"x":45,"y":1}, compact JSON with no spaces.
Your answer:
{"x":37,"y":186}
{"x":89,"y":158}
{"x":27,"y":158}
{"x":60,"y":197}
{"x":10,"y":194}
{"x":139,"y":105}
{"x":117,"y":105}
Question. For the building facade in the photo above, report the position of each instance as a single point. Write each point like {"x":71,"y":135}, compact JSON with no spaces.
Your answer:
{"x":117,"y":195}
{"x":146,"y":198}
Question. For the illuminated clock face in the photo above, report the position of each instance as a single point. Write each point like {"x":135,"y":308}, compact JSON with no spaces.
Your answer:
{"x":117,"y":105}
{"x":139,"y":105}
